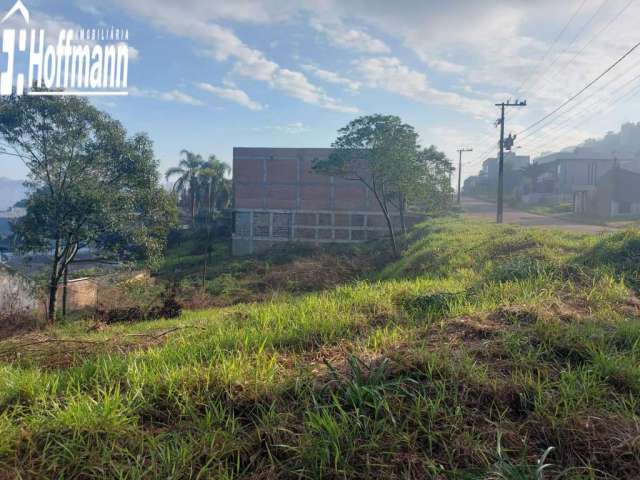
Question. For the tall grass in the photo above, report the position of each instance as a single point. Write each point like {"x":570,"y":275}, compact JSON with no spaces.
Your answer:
{"x":469,"y":357}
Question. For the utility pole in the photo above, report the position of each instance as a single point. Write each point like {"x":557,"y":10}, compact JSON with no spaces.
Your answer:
{"x":460,"y":150}
{"x":500,"y":121}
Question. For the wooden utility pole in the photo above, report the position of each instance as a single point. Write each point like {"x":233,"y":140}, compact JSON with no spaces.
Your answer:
{"x":460,"y":150}
{"x":500,"y":121}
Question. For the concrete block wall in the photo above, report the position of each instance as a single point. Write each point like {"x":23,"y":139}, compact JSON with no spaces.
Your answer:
{"x":278,"y":198}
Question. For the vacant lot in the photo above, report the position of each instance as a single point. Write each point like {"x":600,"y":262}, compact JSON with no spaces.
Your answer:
{"x":471,"y":356}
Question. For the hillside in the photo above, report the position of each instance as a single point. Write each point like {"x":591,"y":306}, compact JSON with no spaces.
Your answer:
{"x":11,"y":192}
{"x":625,"y":142}
{"x":470,"y":357}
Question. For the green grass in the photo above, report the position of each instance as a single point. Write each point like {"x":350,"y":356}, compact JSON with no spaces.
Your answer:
{"x":291,"y":268}
{"x":471,"y":356}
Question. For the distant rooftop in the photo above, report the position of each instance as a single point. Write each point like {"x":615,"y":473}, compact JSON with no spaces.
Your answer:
{"x":580,"y":155}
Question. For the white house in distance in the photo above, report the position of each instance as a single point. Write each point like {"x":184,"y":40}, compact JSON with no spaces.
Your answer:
{"x":511,"y":161}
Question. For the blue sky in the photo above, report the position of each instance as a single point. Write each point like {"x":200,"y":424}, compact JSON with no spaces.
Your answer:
{"x":209,"y":75}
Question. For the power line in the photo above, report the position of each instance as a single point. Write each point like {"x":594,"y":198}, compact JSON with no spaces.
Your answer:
{"x":588,"y":110}
{"x":586,"y":118}
{"x":557,"y":38}
{"x":553,"y":44}
{"x":582,"y":29}
{"x":550,"y":142}
{"x":600,"y":32}
{"x":540,"y":127}
{"x":573,"y":97}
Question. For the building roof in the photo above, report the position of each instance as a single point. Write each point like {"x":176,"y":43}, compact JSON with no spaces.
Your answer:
{"x":580,"y":156}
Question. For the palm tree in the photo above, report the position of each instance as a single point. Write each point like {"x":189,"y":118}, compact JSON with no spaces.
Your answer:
{"x":187,"y":182}
{"x":212,"y":174}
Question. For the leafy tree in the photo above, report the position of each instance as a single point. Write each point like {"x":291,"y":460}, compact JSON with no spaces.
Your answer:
{"x":91,"y":184}
{"x":187,"y":182}
{"x":214,"y":184}
{"x":430,"y":189}
{"x":212,"y":175}
{"x":380,"y":152}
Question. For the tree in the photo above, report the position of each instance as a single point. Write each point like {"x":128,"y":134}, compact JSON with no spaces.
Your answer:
{"x":530,"y":175}
{"x":212,"y":174}
{"x":380,"y":152}
{"x":430,"y":188}
{"x":91,"y":185}
{"x":188,"y":181}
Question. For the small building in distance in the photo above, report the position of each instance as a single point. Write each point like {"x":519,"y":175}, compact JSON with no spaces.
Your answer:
{"x":278,"y":198}
{"x":511,"y":161}
{"x":615,"y":194}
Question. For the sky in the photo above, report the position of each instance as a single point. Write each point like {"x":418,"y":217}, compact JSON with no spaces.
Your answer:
{"x":208,"y":75}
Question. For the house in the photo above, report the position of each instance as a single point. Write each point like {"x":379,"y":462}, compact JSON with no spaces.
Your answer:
{"x":563,"y":174}
{"x":278,"y":198}
{"x":616,"y":194}
{"x":490,"y":167}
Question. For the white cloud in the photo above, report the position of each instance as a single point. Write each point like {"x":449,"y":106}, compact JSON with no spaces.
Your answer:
{"x":342,"y":36}
{"x":89,"y":8}
{"x":134,"y":53}
{"x":232,"y":94}
{"x":291,"y":128}
{"x":223,"y":45}
{"x":169,"y":96}
{"x":331,"y":77}
{"x":390,"y":74}
{"x":445,"y":66}
{"x":491,"y":46}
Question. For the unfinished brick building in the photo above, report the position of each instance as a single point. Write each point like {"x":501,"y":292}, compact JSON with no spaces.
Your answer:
{"x":278,"y":198}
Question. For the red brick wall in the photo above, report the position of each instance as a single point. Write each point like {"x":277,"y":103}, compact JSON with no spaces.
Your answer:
{"x":282,"y":178}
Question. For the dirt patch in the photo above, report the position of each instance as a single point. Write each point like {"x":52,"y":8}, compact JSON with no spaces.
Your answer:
{"x":606,"y":442}
{"x":13,"y":324}
{"x":314,"y":273}
{"x":514,"y":314}
{"x":50,"y":351}
{"x":631,"y":307}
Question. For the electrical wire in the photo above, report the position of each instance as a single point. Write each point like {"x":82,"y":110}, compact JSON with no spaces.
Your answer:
{"x":586,"y":87}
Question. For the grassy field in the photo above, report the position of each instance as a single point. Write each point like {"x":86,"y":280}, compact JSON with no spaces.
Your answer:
{"x":484,"y":352}
{"x":291,"y":269}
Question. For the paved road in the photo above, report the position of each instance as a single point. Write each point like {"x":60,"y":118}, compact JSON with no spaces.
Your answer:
{"x":486,"y":210}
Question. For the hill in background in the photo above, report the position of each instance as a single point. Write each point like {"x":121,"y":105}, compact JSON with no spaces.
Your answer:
{"x":624,"y":143}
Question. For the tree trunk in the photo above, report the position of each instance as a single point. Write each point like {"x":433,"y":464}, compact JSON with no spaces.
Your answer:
{"x":210,"y":212}
{"x":53,"y":283}
{"x":385,"y":211}
{"x":193,"y":207}
{"x":65,"y":283}
{"x":403,"y":209}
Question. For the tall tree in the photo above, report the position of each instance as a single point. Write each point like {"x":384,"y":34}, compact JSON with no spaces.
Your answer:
{"x":187,"y":182}
{"x":90,"y":183}
{"x":430,"y":189}
{"x":378,"y":151}
{"x":212,"y":173}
